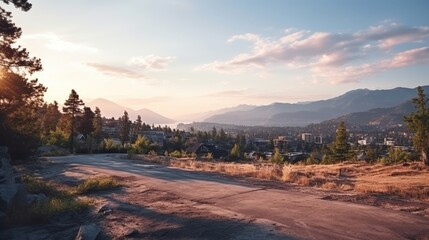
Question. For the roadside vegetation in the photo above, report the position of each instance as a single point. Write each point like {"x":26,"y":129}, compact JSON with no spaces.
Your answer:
{"x":409,"y":180}
{"x":92,"y":185}
{"x":58,"y":199}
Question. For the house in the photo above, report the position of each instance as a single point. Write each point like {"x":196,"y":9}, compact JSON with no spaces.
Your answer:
{"x":204,"y":149}
{"x":307,"y":137}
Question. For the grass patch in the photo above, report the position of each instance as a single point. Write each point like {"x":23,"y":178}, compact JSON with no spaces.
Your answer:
{"x":97,"y":184}
{"x":59,"y":201}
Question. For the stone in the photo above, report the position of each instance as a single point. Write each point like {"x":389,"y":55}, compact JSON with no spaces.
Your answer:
{"x":88,"y":232}
{"x":36,"y":198}
{"x":12,"y":195}
{"x":130,"y":232}
{"x":3,"y":176}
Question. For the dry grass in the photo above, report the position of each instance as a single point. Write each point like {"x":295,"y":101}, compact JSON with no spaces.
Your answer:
{"x":409,"y":180}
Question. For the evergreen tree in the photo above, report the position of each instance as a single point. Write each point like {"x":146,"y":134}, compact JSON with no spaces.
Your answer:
{"x":418,"y":123}
{"x":98,"y":125}
{"x":214,"y":133}
{"x":235,"y":153}
{"x":20,"y":97}
{"x":72,"y":108}
{"x":124,"y":128}
{"x":277,"y":157}
{"x":136,"y":129}
{"x":86,"y":122}
{"x":340,"y":147}
{"x":50,"y":118}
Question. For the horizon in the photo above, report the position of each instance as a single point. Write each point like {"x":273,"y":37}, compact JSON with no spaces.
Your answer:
{"x":179,"y":58}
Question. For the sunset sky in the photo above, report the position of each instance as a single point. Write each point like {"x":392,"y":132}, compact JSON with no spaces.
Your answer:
{"x":177,"y":57}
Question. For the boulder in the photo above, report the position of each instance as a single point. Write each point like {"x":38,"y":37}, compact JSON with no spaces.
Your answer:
{"x":88,"y":232}
{"x":131,"y":232}
{"x":36,"y":198}
{"x":12,"y":195}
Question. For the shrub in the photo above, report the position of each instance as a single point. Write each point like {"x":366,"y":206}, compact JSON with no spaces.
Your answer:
{"x":97,"y":184}
{"x":58,"y":201}
{"x":277,"y":157}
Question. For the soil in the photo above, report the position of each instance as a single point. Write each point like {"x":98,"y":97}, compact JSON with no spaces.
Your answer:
{"x":137,"y":211}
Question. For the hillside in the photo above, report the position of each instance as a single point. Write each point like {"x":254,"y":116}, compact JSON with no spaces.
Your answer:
{"x":301,"y":114}
{"x":380,"y":117}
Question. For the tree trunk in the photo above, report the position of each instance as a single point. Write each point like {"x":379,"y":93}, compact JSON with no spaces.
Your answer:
{"x":424,"y":156}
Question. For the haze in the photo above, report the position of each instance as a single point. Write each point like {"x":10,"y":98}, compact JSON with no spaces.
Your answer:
{"x":182,"y":57}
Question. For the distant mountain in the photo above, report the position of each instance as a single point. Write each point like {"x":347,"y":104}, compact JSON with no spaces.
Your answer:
{"x":301,"y":114}
{"x":197,"y":117}
{"x":380,"y":117}
{"x":110,"y":109}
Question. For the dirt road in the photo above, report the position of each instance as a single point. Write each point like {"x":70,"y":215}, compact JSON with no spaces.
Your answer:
{"x":196,"y":205}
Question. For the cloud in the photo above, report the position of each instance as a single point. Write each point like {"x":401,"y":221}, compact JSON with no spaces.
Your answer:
{"x":336,"y":57}
{"x":230,"y":93}
{"x":117,"y":71}
{"x":57,"y":43}
{"x":151,"y":62}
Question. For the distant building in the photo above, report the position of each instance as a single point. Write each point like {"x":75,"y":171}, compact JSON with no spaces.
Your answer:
{"x":280,"y":141}
{"x":216,"y":151}
{"x":389,"y":142}
{"x":318,"y":139}
{"x":307,"y":137}
{"x":362,"y":142}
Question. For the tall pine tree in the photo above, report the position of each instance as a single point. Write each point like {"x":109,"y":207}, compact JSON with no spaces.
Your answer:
{"x":124,"y":128}
{"x":72,"y":107}
{"x":340,"y":147}
{"x":418,"y":123}
{"x":20,"y":97}
{"x":98,"y":125}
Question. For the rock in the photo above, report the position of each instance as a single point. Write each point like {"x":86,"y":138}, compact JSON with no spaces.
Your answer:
{"x":36,"y":198}
{"x":105,"y":209}
{"x":130,"y":232}
{"x":12,"y":195}
{"x":88,"y":232}
{"x":3,"y":176}
{"x":3,"y":218}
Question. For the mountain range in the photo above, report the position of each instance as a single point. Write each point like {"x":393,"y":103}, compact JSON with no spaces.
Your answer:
{"x":302,"y":114}
{"x":110,"y":109}
{"x":380,"y":117}
{"x":382,"y":108}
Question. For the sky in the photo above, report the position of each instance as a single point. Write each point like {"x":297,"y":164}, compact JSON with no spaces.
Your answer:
{"x":178,"y":57}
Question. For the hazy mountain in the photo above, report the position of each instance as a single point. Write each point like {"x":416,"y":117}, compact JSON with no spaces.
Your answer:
{"x":196,"y":117}
{"x":301,"y":114}
{"x":110,"y":109}
{"x":381,"y":117}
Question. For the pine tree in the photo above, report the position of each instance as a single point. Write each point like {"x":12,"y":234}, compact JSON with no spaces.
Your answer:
{"x":124,"y":128}
{"x":277,"y":157}
{"x":50,"y":118}
{"x":86,"y":122}
{"x":418,"y":123}
{"x":98,"y":126}
{"x":136,"y":129}
{"x":340,"y":147}
{"x":20,"y":97}
{"x":72,"y":107}
{"x":235,"y":153}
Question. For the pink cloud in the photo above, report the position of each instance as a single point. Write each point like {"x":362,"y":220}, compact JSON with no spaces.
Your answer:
{"x":329,"y":55}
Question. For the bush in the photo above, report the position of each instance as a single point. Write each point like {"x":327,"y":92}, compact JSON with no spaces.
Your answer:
{"x":97,"y":184}
{"x":277,"y":157}
{"x":58,"y":201}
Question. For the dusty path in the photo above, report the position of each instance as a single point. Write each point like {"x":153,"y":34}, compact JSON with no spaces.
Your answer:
{"x":169,"y":203}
